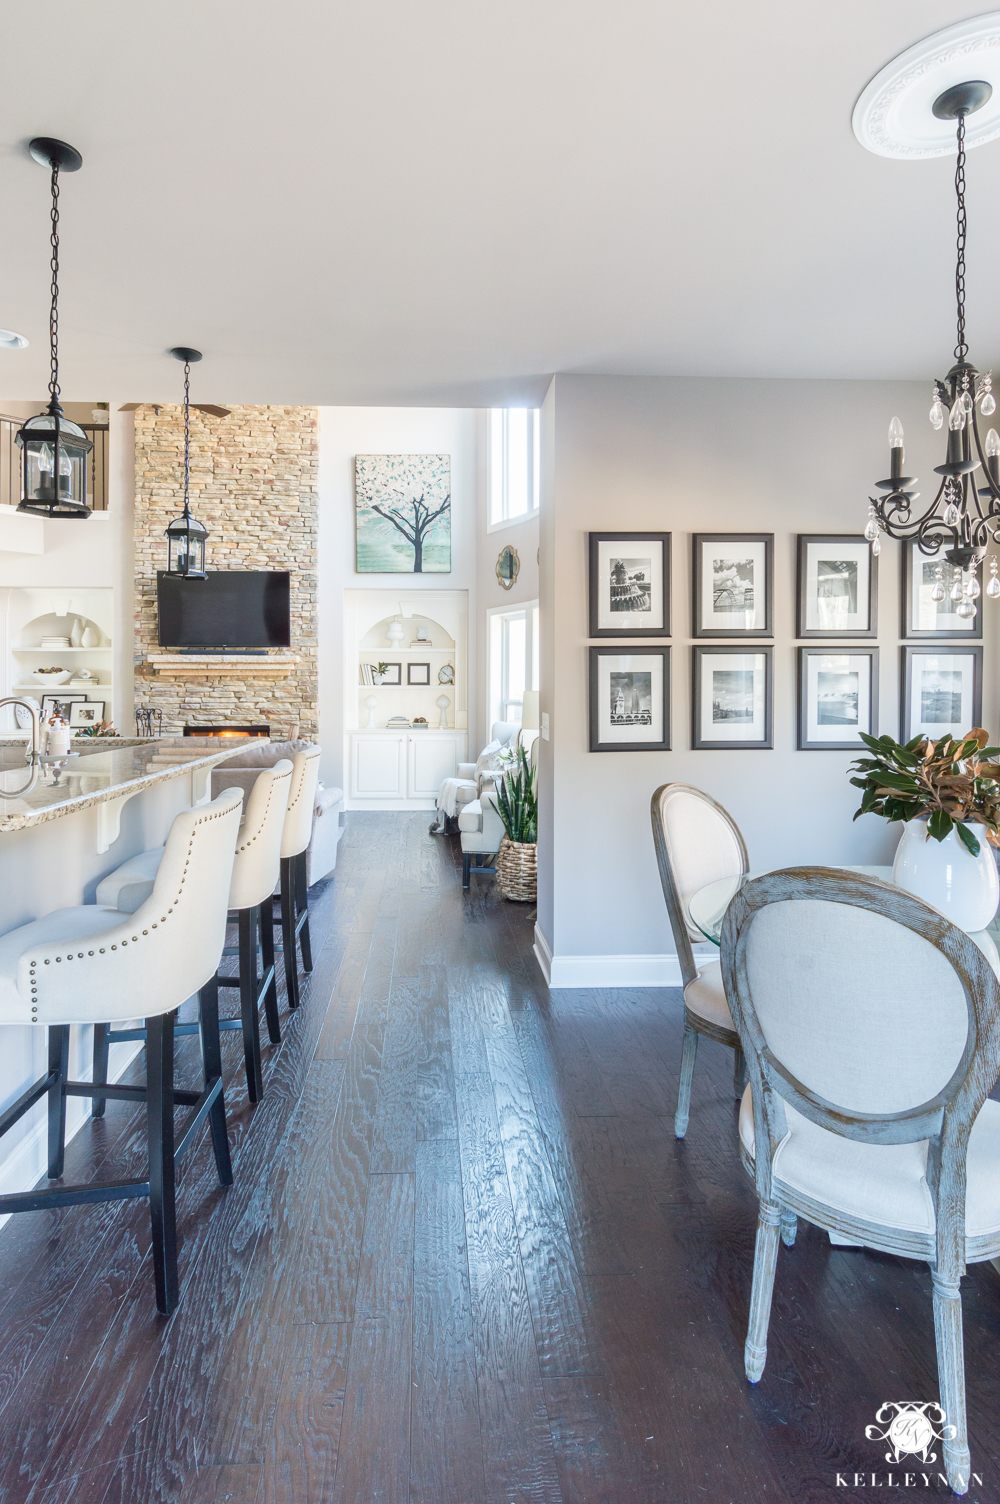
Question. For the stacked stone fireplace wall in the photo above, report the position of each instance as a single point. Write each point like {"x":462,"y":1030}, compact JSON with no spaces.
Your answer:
{"x":254,"y":484}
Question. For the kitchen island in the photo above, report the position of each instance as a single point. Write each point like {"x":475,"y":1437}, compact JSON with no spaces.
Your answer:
{"x":61,"y":832}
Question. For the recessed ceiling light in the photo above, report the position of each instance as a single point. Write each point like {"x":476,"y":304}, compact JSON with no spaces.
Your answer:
{"x":11,"y":341}
{"x":895,"y":117}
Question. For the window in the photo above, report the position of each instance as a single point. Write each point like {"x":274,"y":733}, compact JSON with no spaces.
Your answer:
{"x":513,"y":464}
{"x":513,"y":641}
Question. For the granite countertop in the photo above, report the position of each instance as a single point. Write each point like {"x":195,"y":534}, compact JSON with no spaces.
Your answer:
{"x":93,"y":777}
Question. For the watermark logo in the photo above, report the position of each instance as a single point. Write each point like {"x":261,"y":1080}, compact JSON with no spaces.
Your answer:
{"x":909,"y":1428}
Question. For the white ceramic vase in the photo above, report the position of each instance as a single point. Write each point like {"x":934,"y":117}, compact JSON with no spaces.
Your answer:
{"x":91,"y":637}
{"x":76,"y":633}
{"x":964,"y":887}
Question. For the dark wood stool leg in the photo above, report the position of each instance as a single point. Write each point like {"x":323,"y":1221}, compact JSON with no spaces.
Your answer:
{"x":248,"y":1002}
{"x":101,"y":1047}
{"x":266,"y":920}
{"x":288,"y":931}
{"x":59,"y":1062}
{"x":160,"y":1128}
{"x":302,"y":906}
{"x":211,"y":1057}
{"x":466,"y":869}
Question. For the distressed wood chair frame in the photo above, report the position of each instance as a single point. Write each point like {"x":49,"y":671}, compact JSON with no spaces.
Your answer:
{"x":945,"y":1121}
{"x":694,"y":1024}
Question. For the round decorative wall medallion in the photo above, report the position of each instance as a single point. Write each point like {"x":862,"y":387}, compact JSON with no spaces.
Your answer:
{"x":895,"y":115}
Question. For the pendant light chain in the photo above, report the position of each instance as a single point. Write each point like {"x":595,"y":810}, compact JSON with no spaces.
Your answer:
{"x":961,"y":348}
{"x":54,"y":311}
{"x":187,"y":434}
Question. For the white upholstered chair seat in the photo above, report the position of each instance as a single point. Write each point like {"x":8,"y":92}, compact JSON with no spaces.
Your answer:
{"x":706,"y":997}
{"x":883,"y":1183}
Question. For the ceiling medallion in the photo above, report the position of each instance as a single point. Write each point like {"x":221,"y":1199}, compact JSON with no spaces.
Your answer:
{"x":894,"y":116}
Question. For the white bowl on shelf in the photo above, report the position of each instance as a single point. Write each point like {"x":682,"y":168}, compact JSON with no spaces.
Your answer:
{"x":40,"y":677}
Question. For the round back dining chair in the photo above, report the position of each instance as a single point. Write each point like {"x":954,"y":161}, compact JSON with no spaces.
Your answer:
{"x":871,"y":1027}
{"x":697,"y":842}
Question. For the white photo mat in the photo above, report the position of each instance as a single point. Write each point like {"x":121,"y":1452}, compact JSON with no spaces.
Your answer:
{"x":927,"y":615}
{"x":942,"y":694}
{"x":733,"y":697}
{"x":837,"y":585}
{"x":633,"y":682}
{"x":838,"y":697}
{"x":733,"y":586}
{"x":632,"y":558}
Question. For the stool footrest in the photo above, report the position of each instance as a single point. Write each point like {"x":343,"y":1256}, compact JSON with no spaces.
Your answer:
{"x":34,"y":1094}
{"x":123,"y":1093}
{"x":73,"y":1195}
{"x":202,"y":1107}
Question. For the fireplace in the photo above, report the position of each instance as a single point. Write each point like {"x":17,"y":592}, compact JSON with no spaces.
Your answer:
{"x":227,"y":731}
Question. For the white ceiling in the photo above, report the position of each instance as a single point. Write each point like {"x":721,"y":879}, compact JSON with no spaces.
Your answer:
{"x":444,"y":202}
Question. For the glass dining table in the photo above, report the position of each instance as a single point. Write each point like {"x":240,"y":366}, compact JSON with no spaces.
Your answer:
{"x":708,"y":906}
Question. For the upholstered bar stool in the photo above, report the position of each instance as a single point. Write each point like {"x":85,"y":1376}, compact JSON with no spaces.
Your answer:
{"x":254,"y":874}
{"x":83,"y":965}
{"x":294,"y":893}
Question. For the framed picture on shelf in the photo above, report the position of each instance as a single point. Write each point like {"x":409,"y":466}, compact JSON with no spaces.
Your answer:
{"x":393,"y":674}
{"x":923,"y":616}
{"x":836,"y":584}
{"x":942,"y":691}
{"x":418,"y":673}
{"x":630,"y":700}
{"x":838,"y":698}
{"x":86,"y":713}
{"x":733,"y":584}
{"x":59,"y":705}
{"x":733,"y":694}
{"x":630,"y":584}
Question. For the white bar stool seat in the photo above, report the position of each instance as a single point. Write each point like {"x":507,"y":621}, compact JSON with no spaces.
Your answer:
{"x":254,"y":874}
{"x":90,"y":963}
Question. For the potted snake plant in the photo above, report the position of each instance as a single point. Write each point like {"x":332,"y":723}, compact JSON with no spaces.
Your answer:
{"x":517,"y":806}
{"x":946,"y":794}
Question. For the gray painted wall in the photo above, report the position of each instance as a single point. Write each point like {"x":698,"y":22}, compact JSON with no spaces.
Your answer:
{"x":708,"y":456}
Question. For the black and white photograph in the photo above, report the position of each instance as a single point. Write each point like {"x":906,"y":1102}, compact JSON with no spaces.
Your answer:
{"x":732,"y":584}
{"x":942,"y":691}
{"x":629,"y":700}
{"x":930,"y":608}
{"x":83,"y":713}
{"x":732,"y":693}
{"x":838,"y":698}
{"x":836,"y":586}
{"x":418,"y":673}
{"x":630,"y":584}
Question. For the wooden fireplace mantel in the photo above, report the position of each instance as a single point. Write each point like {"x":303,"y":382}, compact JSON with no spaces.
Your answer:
{"x":211,"y":665}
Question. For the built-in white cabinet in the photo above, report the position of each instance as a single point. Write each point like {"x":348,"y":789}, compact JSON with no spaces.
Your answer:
{"x":401,"y":769}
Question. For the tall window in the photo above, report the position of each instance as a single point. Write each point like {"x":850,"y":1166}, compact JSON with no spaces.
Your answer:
{"x":513,"y":464}
{"x":513,"y":640}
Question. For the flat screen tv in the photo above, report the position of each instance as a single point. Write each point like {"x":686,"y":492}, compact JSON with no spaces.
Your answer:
{"x":238,"y":608}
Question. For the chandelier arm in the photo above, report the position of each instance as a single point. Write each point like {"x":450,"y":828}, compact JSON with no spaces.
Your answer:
{"x":882,"y":503}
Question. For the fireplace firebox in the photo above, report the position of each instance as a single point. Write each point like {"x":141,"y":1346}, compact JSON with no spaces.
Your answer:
{"x":227,"y":731}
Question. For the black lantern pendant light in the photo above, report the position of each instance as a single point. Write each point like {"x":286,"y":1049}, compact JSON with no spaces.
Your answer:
{"x":186,"y":536}
{"x":54,"y":450}
{"x":962,"y":517}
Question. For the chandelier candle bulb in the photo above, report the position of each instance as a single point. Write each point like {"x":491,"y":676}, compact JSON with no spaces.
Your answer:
{"x":895,"y":449}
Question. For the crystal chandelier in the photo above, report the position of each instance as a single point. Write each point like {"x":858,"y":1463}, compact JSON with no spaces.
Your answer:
{"x":963,"y":516}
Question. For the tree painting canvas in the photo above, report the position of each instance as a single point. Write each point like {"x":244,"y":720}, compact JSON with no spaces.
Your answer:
{"x":403,"y":510}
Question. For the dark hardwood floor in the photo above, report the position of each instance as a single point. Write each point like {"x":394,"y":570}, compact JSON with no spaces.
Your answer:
{"x":464,"y":1260}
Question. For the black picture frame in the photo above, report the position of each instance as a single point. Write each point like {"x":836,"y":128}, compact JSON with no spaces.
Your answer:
{"x":845,"y":634}
{"x":698,"y":543}
{"x":652,"y":540}
{"x":393,"y":673}
{"x":52,"y":700}
{"x":852,"y":650}
{"x":641,"y":651}
{"x":920,"y":634}
{"x":708,"y":744}
{"x":422,"y":668}
{"x":910,"y":652}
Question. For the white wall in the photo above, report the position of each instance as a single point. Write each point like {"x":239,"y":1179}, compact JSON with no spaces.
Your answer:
{"x":706,"y":456}
{"x":95,"y":552}
{"x":343,"y":433}
{"x":523,"y":536}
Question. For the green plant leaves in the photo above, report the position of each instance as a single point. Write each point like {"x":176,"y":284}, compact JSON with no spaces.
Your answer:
{"x":950,"y":781}
{"x":517,"y":804}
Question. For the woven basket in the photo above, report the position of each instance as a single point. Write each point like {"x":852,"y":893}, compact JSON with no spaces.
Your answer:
{"x":517,"y":870}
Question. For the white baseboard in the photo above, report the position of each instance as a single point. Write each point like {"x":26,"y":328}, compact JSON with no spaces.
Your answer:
{"x":611,"y":971}
{"x":28,"y":1163}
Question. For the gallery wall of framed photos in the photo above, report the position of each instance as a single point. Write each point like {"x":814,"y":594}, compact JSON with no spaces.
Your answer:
{"x":834,"y":661}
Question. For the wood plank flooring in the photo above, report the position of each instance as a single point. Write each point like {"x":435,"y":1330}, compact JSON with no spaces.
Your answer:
{"x":464,"y":1260}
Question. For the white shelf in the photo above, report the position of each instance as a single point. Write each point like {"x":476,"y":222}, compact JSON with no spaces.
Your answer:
{"x":38,"y":688}
{"x":105,"y":648}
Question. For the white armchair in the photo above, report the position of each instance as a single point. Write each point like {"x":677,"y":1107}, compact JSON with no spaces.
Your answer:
{"x":479,"y":822}
{"x":456,"y":792}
